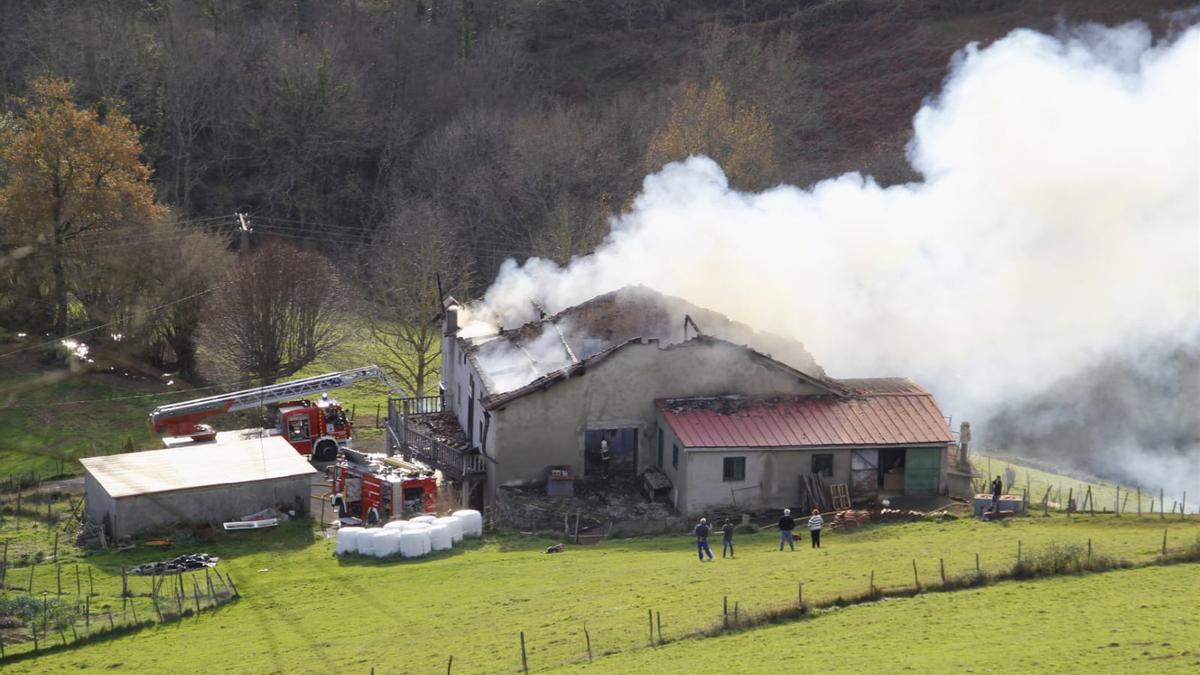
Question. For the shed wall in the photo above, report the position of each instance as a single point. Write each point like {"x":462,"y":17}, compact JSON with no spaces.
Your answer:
{"x":776,"y":473}
{"x":163,"y":510}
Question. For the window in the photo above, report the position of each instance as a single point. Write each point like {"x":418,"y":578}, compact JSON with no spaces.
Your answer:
{"x":660,"y":448}
{"x":675,"y":456}
{"x":822,"y":465}
{"x":734,"y":468}
{"x":298,"y":429}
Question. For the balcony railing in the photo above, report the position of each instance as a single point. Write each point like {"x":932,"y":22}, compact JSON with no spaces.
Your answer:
{"x":454,"y":463}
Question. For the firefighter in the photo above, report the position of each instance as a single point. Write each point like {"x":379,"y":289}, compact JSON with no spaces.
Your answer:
{"x":605,"y":457}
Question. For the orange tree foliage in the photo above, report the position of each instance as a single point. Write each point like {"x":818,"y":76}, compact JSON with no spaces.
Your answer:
{"x":703,"y":121}
{"x":66,"y":173}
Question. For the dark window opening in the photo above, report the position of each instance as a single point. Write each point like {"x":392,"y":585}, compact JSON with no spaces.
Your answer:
{"x":660,"y":448}
{"x":675,"y":456}
{"x":822,"y":465}
{"x":734,"y":468}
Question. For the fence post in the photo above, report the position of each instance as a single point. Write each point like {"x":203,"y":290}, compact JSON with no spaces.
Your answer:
{"x":650,"y":623}
{"x":801,"y":595}
{"x":658,"y":620}
{"x":872,"y":582}
{"x":1162,"y":504}
{"x":1182,"y":504}
{"x":942,"y":566}
{"x":977,"y":563}
{"x":586,"y":636}
{"x":1018,"y":551}
{"x":524,"y":662}
{"x":1089,"y":551}
{"x":1164,"y":547}
{"x":916,"y":581}
{"x":725,"y":612}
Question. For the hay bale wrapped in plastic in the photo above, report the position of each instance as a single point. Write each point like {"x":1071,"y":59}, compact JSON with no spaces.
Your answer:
{"x":386,"y":542}
{"x":472,"y":522}
{"x":414,"y":542}
{"x":381,"y":542}
{"x":454,"y":525}
{"x":422,"y":519}
{"x":347,"y":540}
{"x":440,"y":537}
{"x":396,"y":524}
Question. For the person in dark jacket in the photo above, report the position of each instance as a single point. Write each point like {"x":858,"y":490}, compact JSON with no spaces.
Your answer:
{"x":702,"y":540}
{"x":786,"y":525}
{"x":727,"y":544}
{"x":997,"y":490}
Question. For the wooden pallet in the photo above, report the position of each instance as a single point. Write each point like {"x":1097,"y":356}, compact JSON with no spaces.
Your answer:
{"x":841,"y":496}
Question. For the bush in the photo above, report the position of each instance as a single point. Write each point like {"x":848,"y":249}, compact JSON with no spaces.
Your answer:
{"x":20,"y":607}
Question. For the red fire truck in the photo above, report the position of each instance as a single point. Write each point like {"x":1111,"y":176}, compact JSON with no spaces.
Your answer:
{"x":378,"y":490}
{"x":315,"y":427}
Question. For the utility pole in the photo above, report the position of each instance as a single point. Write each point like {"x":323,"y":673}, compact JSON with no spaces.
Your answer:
{"x":244,"y":235}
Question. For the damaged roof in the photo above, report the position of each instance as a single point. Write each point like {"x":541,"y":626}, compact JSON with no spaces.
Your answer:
{"x":491,"y":402}
{"x":567,"y":339}
{"x":879,"y":412}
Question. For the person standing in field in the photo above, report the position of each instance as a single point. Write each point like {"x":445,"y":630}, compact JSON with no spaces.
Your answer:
{"x":786,"y":524}
{"x":814,"y":527}
{"x":997,"y":490}
{"x":727,"y":544}
{"x":702,"y":540}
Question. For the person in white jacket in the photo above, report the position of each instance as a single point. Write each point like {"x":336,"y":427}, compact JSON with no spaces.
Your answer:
{"x":814,"y":527}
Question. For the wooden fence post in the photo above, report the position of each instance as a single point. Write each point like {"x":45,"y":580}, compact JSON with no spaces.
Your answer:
{"x":1089,"y":551}
{"x":1018,"y":551}
{"x":977,"y":563}
{"x":1162,"y":504}
{"x":872,"y":582}
{"x":658,"y":620}
{"x":735,"y":612}
{"x":587,"y":638}
{"x":31,"y":569}
{"x":450,"y":664}
{"x":1070,"y":498}
{"x":942,"y":566}
{"x":916,"y":581}
{"x":524,"y":662}
{"x":1164,"y":546}
{"x":1182,"y":504}
{"x":650,"y":623}
{"x":725,"y":612}
{"x":801,"y":595}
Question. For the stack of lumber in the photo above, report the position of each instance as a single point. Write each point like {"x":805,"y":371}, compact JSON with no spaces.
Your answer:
{"x":814,"y":494}
{"x":851,"y":518}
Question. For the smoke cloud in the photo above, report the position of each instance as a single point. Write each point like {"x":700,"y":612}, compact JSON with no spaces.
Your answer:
{"x":1057,"y":224}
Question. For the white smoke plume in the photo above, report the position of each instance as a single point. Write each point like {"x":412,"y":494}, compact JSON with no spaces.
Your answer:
{"x":1058,"y":220}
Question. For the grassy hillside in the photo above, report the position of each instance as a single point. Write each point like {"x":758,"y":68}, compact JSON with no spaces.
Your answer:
{"x":306,"y":610}
{"x":1038,"y":481}
{"x":1074,"y":624}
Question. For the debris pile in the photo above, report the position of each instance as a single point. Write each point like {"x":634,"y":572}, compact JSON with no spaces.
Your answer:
{"x":178,"y":565}
{"x":851,"y":518}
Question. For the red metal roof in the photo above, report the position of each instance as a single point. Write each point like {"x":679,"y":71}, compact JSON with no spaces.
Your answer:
{"x":901,"y":416}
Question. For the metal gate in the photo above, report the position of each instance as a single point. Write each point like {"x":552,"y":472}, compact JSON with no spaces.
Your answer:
{"x":922,"y":467}
{"x":864,"y":473}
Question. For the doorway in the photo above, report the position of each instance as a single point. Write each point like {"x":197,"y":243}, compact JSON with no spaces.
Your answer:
{"x":622,"y":452}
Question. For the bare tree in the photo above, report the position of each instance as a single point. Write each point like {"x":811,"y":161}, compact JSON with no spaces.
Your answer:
{"x":279,"y":311}
{"x":410,"y":255}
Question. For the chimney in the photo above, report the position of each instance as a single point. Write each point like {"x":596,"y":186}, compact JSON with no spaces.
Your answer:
{"x":451,"y":314}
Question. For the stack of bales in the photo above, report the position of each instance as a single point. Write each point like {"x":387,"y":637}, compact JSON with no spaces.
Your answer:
{"x":411,"y":538}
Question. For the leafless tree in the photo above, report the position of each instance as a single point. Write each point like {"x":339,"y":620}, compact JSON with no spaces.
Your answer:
{"x":409,"y":258}
{"x":281,"y":309}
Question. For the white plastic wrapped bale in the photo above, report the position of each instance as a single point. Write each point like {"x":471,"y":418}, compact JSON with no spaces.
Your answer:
{"x":472,"y":522}
{"x":440,"y":537}
{"x":454,"y":525}
{"x":396,"y":524}
{"x":347,"y":540}
{"x":414,"y":542}
{"x":381,"y":542}
{"x":423,"y":519}
{"x":386,"y":542}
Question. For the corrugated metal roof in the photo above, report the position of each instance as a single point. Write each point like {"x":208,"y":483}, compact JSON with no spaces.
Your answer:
{"x":868,"y":419}
{"x":197,"y":466}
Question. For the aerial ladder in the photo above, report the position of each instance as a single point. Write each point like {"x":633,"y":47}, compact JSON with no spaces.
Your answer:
{"x":315,"y":427}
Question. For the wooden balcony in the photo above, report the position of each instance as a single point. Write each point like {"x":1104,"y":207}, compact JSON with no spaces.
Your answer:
{"x":455,"y":463}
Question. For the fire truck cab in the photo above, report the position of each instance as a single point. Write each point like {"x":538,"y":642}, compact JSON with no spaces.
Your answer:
{"x":315,"y":429}
{"x":375,"y":492}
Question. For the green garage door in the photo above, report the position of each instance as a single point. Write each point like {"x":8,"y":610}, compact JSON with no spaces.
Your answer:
{"x":922,"y":466}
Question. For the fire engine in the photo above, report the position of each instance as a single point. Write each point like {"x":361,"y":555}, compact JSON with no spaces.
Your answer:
{"x":378,"y":490}
{"x":315,"y":428}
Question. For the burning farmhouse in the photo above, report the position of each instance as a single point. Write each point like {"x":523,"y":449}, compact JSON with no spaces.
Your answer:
{"x":634,"y":381}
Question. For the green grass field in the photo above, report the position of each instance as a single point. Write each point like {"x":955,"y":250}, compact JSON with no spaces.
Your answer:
{"x":1141,"y":620}
{"x":305,"y":610}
